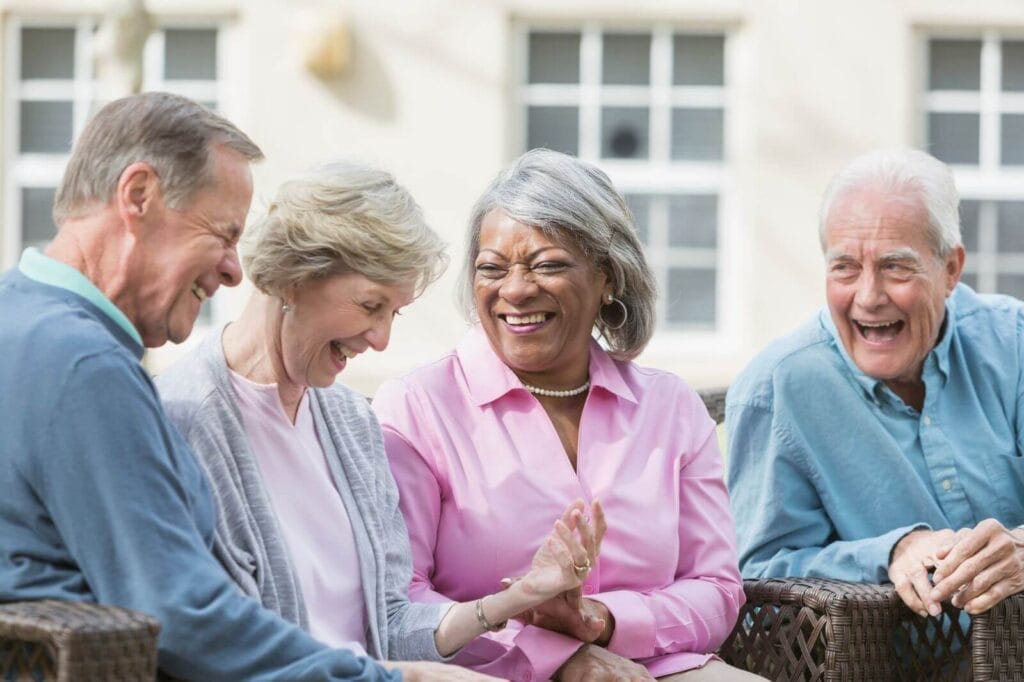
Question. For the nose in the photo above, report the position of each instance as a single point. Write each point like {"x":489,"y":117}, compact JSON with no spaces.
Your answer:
{"x":379,"y":334}
{"x":230,"y":269}
{"x":518,"y":285}
{"x":870,"y":290}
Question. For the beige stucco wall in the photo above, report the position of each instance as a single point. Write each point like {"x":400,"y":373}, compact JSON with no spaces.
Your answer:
{"x":430,"y":96}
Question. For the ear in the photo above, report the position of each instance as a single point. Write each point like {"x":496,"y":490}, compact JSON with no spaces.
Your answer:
{"x":138,"y":193}
{"x":954,"y":268}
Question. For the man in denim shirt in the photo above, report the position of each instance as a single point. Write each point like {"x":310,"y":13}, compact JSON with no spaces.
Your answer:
{"x":882,"y":439}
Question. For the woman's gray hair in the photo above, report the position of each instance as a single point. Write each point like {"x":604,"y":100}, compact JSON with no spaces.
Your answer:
{"x":171,"y":133}
{"x":909,"y":173}
{"x":574,"y":203}
{"x":342,"y":218}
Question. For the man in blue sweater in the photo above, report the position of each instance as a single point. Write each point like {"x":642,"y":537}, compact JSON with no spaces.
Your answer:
{"x":101,"y":498}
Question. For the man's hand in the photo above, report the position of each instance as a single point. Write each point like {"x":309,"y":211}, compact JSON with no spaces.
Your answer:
{"x":595,"y":664}
{"x":912,"y":558}
{"x":984,"y":567}
{"x":424,"y":671}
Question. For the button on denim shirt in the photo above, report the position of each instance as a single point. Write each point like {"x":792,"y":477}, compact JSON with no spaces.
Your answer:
{"x":828,"y":468}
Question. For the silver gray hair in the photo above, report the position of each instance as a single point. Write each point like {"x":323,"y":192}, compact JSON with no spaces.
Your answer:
{"x":909,"y":173}
{"x":575,"y":203}
{"x":171,"y":133}
{"x":337,"y":219}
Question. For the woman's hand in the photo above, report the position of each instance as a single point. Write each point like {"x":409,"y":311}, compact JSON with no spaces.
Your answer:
{"x":423,"y":671}
{"x":568,"y":553}
{"x":584,"y":619}
{"x":594,"y":664}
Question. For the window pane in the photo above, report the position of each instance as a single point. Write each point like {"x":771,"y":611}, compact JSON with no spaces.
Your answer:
{"x":45,"y":127}
{"x":697,"y":134}
{"x":556,"y":128}
{"x":627,"y":59}
{"x":1013,"y":65}
{"x":1010,"y":227}
{"x":970,"y":279}
{"x":640,"y":205}
{"x":36,"y":220}
{"x":47,"y":53}
{"x":969,"y":223}
{"x":1011,"y":144}
{"x":190,"y":54}
{"x":954,"y":137}
{"x":691,"y":298}
{"x":698,"y":60}
{"x":693,"y":220}
{"x":955,"y":65}
{"x":624,"y":132}
{"x":554,"y":58}
{"x":1010,"y":284}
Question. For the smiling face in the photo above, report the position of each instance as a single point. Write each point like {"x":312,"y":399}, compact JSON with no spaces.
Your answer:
{"x":332,"y":320}
{"x":190,"y":252}
{"x":885,"y":286}
{"x":537,"y":300}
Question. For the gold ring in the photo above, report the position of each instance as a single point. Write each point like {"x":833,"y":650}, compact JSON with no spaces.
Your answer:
{"x":582,"y":571}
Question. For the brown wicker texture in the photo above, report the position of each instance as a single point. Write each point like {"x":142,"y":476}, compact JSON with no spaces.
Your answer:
{"x":997,"y":640}
{"x":67,"y":641}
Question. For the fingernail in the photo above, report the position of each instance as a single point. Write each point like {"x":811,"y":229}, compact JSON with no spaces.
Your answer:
{"x":934,"y":609}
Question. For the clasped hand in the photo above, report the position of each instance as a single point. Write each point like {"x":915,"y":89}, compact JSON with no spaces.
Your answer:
{"x":975,"y":568}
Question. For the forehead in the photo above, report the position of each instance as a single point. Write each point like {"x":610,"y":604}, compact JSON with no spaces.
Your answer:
{"x":508,"y":237}
{"x":876,"y":220}
{"x":358,"y":285}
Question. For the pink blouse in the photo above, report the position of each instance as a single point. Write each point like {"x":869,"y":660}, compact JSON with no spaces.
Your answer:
{"x":483,"y":475}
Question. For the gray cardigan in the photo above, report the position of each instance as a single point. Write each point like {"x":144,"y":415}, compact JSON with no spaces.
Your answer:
{"x":197,"y":395}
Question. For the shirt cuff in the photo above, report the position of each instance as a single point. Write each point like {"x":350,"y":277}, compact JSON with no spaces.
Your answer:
{"x":633,"y":636}
{"x":545,"y":651}
{"x":876,"y":556}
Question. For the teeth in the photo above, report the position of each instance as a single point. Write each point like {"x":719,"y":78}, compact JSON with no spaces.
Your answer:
{"x":536,"y":318}
{"x":199,"y":293}
{"x":342,"y":350}
{"x":879,"y":325}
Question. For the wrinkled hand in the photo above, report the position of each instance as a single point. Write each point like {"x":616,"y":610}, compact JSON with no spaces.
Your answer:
{"x":596,"y":664}
{"x":423,"y":671}
{"x":584,"y":619}
{"x":984,"y":567}
{"x":572,"y":542}
{"x":912,"y":558}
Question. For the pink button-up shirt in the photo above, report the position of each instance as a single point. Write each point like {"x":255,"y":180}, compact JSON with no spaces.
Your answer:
{"x":483,"y":475}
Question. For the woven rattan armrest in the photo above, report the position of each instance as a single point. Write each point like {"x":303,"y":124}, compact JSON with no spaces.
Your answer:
{"x":997,"y":641}
{"x":67,"y":641}
{"x":815,"y":629}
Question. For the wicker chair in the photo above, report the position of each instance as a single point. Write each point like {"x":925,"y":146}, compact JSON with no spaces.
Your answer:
{"x":817,"y":629}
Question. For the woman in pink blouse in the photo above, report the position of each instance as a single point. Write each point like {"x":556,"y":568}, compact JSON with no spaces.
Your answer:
{"x":530,"y":412}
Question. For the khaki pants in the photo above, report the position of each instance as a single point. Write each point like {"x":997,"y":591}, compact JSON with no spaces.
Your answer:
{"x":712,"y":671}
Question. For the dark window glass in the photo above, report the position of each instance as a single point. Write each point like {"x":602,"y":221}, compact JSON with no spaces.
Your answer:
{"x":624,"y":132}
{"x":698,"y":60}
{"x":626,"y":59}
{"x":954,"y":65}
{"x":555,"y":128}
{"x":47,"y":53}
{"x":190,"y":54}
{"x":554,"y":58}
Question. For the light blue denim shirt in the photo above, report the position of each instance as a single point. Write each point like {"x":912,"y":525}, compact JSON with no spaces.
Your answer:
{"x":828,"y":468}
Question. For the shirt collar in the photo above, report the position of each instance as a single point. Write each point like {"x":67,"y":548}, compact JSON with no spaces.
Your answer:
{"x":938,"y":357}
{"x":46,"y":270}
{"x":488,"y":378}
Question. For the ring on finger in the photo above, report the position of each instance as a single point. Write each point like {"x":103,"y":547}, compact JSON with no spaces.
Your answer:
{"x":582,"y":571}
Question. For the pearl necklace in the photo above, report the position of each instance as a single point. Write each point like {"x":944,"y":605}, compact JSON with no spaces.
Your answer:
{"x":568,"y":393}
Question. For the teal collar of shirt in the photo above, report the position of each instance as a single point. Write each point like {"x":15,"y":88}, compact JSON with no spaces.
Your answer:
{"x":46,"y":270}
{"x":936,"y":363}
{"x":488,"y":378}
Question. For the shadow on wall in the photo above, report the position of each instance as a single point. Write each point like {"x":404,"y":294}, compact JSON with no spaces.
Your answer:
{"x":364,"y":87}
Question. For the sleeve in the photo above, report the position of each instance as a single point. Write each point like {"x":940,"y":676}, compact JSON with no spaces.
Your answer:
{"x":126,"y":494}
{"x":782,"y":525}
{"x":515,"y":653}
{"x":697,"y":611}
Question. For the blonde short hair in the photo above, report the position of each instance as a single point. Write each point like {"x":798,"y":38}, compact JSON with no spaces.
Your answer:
{"x":337,"y":219}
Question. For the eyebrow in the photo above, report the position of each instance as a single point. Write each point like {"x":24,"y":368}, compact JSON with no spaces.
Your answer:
{"x":529,"y":256}
{"x":904,"y":253}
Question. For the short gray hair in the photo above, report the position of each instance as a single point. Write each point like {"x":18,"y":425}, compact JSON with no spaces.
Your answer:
{"x":171,"y":133}
{"x":574,"y":202}
{"x":341,"y":218}
{"x":910,"y":173}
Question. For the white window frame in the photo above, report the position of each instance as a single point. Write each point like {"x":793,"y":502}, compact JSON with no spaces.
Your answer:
{"x":987,"y":181}
{"x":28,"y":170}
{"x":659,"y":173}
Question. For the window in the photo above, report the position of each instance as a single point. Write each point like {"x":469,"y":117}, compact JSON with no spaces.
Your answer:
{"x":974,"y":118}
{"x":648,"y":107}
{"x":51,"y":95}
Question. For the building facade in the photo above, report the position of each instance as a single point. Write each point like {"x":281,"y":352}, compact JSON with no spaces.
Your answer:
{"x":721,"y":121}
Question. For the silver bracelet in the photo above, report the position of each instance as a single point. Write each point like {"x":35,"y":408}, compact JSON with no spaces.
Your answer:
{"x":483,"y":619}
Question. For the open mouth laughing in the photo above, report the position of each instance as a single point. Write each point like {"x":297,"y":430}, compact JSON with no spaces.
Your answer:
{"x":199,"y":293}
{"x":879,"y":332}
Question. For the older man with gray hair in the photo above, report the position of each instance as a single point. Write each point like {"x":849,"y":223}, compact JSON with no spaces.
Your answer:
{"x":884,"y":438}
{"x":102,"y":500}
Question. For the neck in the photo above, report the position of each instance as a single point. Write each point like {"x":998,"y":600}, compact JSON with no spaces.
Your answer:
{"x":252,"y":348}
{"x":910,"y":392}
